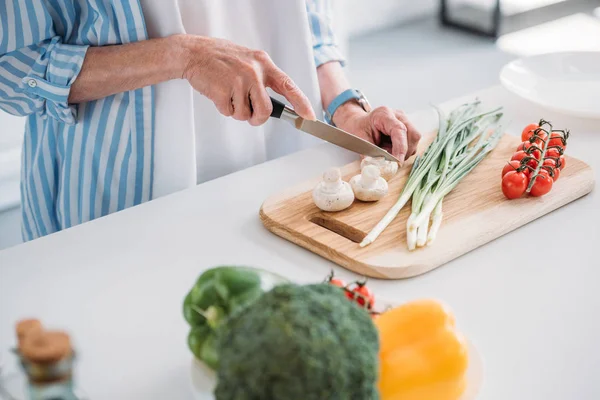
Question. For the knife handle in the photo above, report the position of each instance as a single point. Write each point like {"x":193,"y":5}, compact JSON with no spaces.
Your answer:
{"x":278,"y":108}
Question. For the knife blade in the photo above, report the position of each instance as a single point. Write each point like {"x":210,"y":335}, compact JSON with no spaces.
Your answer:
{"x":329,"y":133}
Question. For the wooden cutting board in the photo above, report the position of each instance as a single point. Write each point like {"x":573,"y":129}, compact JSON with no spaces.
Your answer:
{"x":475,"y":212}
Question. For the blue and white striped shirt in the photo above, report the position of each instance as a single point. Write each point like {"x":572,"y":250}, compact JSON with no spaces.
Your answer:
{"x":84,"y":161}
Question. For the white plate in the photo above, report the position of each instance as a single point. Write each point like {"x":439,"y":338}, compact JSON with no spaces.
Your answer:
{"x":564,"y":82}
{"x":204,"y":379}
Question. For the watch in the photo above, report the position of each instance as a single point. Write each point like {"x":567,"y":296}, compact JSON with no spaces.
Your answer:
{"x":343,"y":98}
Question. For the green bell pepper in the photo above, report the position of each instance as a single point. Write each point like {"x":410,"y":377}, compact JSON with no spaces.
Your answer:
{"x":216,"y":294}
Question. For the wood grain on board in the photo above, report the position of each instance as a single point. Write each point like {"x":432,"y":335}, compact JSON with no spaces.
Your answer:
{"x":475,"y":212}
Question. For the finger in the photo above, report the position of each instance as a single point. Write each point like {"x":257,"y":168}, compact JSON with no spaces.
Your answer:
{"x":225,"y":105}
{"x":414,"y":136}
{"x":241,"y":105}
{"x":285,"y":86}
{"x":387,"y":147}
{"x":413,"y":143}
{"x":261,"y":105}
{"x":388,"y":124}
{"x":399,"y":142}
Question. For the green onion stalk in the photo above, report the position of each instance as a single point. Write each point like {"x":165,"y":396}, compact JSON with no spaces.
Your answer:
{"x":462,"y":142}
{"x":455,"y":176}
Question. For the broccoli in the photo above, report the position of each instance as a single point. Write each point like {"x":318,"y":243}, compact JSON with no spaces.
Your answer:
{"x":299,"y":343}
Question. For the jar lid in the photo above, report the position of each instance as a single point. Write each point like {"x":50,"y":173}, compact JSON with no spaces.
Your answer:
{"x":46,"y":346}
{"x":26,"y":327}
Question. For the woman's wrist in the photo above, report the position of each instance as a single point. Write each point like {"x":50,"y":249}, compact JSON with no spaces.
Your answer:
{"x":333,"y":82}
{"x":346,"y":115}
{"x":178,"y":49}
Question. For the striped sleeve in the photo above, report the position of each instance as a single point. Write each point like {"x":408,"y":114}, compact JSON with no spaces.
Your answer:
{"x":325,"y":46}
{"x":36,"y":68}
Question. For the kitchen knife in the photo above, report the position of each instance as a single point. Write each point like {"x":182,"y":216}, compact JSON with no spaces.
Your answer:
{"x":329,"y":133}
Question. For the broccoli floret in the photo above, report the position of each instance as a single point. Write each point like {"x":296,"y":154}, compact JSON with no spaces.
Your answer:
{"x":299,"y":342}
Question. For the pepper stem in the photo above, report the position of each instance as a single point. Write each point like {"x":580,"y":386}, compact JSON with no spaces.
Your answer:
{"x":211,"y":314}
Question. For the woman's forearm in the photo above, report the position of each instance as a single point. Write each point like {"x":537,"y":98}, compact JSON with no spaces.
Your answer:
{"x":234,"y":77}
{"x":107,"y":70}
{"x":332,"y":82}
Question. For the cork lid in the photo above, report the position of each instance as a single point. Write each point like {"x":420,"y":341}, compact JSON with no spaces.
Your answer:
{"x":46,"y":346}
{"x":26,"y":327}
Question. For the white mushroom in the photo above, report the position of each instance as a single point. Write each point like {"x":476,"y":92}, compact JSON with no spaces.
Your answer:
{"x":333,"y":194}
{"x":387,"y":168}
{"x":369,"y":185}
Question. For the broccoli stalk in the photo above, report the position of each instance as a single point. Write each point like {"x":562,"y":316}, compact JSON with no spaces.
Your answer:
{"x":298,"y":342}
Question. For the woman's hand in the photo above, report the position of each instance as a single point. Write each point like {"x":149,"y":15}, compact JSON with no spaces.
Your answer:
{"x":387,"y":128}
{"x":235,"y":78}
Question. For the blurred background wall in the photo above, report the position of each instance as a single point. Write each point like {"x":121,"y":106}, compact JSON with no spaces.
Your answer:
{"x":358,"y":17}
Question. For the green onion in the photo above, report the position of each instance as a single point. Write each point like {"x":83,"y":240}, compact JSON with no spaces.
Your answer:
{"x":436,"y":221}
{"x":463,"y":140}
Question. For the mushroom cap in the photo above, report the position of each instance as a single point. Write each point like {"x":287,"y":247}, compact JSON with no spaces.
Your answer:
{"x":387,"y":168}
{"x":332,"y":175}
{"x":371,"y":172}
{"x":380,"y":162}
{"x":327,"y":200}
{"x":369,"y":190}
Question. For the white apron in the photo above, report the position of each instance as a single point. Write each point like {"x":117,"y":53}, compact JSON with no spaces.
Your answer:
{"x":193,"y":143}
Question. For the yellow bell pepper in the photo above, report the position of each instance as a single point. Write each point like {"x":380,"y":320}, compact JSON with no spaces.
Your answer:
{"x":422,"y":355}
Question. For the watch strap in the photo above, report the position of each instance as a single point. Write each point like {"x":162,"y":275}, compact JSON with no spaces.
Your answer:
{"x":342,"y":98}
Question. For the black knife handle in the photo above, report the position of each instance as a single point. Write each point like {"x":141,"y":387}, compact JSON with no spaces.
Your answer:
{"x":277,"y":108}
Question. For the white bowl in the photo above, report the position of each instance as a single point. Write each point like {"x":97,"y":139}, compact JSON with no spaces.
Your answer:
{"x":565,"y":82}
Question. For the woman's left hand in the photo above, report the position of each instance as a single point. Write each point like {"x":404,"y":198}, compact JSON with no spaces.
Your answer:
{"x":387,"y":128}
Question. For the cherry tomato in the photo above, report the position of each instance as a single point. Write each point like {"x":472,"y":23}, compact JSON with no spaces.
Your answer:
{"x":541,"y":138}
{"x":562,"y":162}
{"x":513,"y":166}
{"x":552,"y":153}
{"x":350,"y":294}
{"x":337,"y":282}
{"x":519,"y":155}
{"x":364,"y":296}
{"x":552,"y":163}
{"x":556,"y":139}
{"x":528,"y":131}
{"x":525,"y":145}
{"x":514,"y":184}
{"x":542,"y":184}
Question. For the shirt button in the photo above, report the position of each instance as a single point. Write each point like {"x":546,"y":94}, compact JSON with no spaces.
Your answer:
{"x":32,"y":83}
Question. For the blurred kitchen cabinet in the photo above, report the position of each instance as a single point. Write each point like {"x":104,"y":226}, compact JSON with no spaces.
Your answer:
{"x":476,"y":16}
{"x":494,"y":18}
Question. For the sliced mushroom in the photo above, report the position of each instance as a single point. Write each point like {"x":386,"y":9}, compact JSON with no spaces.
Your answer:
{"x":387,"y":168}
{"x":369,"y":185}
{"x":333,"y":194}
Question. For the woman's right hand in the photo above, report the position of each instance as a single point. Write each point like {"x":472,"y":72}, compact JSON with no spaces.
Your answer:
{"x":235,"y":78}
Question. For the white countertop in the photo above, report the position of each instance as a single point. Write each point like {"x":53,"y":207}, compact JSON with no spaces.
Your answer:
{"x":529,"y":301}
